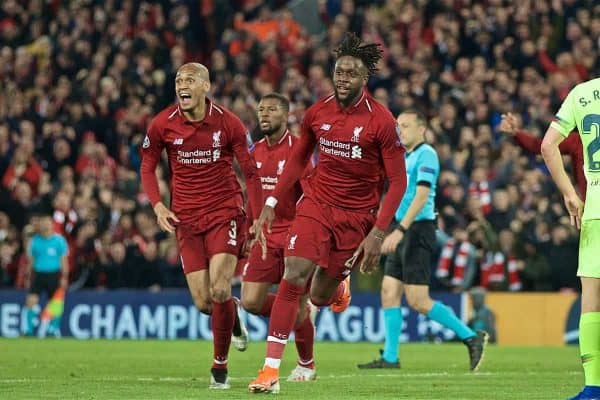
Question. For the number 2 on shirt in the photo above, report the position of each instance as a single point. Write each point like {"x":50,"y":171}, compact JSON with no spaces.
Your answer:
{"x":589,"y":125}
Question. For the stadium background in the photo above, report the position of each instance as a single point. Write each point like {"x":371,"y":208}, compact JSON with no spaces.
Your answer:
{"x":81,"y":79}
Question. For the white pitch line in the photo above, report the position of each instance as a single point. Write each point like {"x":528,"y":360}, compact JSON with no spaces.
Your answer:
{"x":237,"y":378}
{"x":186,"y":379}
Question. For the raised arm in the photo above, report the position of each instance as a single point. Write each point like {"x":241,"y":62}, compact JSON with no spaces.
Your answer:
{"x":529,"y":142}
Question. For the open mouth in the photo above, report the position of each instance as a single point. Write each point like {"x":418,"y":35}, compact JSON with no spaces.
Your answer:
{"x":265,"y":124}
{"x":185,"y":98}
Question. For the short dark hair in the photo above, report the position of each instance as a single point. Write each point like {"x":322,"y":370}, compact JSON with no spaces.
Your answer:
{"x":421,"y":120}
{"x":369,"y":53}
{"x":283,"y":101}
{"x":40,"y":212}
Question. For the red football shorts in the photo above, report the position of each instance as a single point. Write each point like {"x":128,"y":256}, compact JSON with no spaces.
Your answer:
{"x":327,"y":236}
{"x":269,"y":270}
{"x":198,"y":245}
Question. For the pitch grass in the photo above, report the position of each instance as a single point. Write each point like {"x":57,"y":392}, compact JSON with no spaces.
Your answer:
{"x":70,"y":369}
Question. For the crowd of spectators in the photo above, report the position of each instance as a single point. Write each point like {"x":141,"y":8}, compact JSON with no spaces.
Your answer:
{"x":81,"y":79}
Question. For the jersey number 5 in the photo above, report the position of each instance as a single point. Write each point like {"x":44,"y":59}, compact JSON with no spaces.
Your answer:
{"x":591,"y":125}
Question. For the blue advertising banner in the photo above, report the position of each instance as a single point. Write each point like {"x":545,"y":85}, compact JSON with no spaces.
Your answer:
{"x":170,"y":314}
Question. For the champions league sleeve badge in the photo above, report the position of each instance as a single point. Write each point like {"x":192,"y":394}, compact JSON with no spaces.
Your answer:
{"x":146,"y":142}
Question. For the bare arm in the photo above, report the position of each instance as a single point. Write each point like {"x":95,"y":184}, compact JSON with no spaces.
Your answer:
{"x":416,"y":206}
{"x":553,"y":159}
{"x":395,"y":237}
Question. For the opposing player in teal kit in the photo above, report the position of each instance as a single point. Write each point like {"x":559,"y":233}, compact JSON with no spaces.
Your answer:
{"x":581,"y":109}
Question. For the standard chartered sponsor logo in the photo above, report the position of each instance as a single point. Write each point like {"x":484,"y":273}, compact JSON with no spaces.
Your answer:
{"x":198,"y":156}
{"x":340,"y":149}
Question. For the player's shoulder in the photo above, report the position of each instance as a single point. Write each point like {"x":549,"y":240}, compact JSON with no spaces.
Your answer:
{"x":227,"y":118}
{"x":384,"y":115}
{"x":585,"y":88}
{"x":382,"y":120}
{"x":589,"y":84}
{"x":428,"y":151}
{"x":58,"y":238}
{"x":323,"y":102}
{"x":291,"y":138}
{"x":218,"y":111}
{"x":165,"y":115}
{"x":324,"y":105}
{"x":260,"y":145}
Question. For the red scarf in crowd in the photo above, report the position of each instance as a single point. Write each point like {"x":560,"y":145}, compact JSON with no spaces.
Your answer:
{"x":454,"y":260}
{"x":482,"y":191}
{"x":497,"y":268}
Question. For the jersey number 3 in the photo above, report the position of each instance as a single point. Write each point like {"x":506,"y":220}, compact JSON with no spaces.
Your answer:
{"x":591,"y":125}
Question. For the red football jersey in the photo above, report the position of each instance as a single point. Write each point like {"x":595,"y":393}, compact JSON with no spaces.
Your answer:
{"x":358,"y":147}
{"x":200,"y":160}
{"x":270,"y":163}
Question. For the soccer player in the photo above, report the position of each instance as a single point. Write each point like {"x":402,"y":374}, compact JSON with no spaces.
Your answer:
{"x":336,"y":224}
{"x":411,"y":245}
{"x":201,"y":138}
{"x":271,"y":153}
{"x":581,"y":109}
{"x":570,"y":146}
{"x":48,"y":253}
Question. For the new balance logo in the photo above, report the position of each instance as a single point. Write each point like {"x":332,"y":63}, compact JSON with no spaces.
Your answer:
{"x":178,"y":141}
{"x":292,"y":244}
{"x":356,"y":152}
{"x":325,"y":127}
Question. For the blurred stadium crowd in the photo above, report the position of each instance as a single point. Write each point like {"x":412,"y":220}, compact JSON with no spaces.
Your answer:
{"x":80,"y":81}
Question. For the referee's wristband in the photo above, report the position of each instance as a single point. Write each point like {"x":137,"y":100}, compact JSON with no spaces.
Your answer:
{"x":401,"y":228}
{"x":271,"y":202}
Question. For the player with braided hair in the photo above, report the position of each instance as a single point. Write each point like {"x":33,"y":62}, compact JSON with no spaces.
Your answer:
{"x":338,"y":223}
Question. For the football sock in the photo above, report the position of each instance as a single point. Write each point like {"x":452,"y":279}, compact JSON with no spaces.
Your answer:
{"x":305,"y":339}
{"x":32,"y":319}
{"x":54,"y":328}
{"x":283,"y":316}
{"x":589,"y":346}
{"x":392,"y":318}
{"x":446,"y":317}
{"x":265,"y":311}
{"x":222,"y":320}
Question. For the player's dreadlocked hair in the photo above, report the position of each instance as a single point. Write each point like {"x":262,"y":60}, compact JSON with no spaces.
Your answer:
{"x":351,"y":46}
